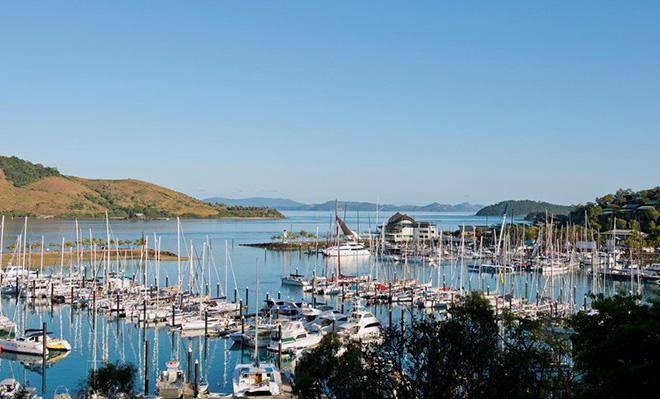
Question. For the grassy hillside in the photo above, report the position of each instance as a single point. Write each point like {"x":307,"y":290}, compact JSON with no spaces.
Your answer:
{"x":524,"y":208}
{"x":34,"y":190}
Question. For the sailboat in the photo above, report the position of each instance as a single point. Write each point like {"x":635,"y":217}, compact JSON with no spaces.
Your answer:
{"x":22,"y":345}
{"x":256,"y":379}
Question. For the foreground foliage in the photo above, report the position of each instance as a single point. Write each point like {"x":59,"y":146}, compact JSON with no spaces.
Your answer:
{"x":110,"y":381}
{"x":472,"y":354}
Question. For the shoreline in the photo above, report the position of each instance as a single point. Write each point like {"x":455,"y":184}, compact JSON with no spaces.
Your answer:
{"x":54,"y":258}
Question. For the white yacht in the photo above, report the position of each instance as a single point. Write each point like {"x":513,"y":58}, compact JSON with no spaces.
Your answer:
{"x":347,"y":249}
{"x":326,"y":321}
{"x":361,"y":325}
{"x":294,"y":336}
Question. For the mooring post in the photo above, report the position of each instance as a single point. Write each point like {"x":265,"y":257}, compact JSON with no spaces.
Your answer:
{"x":206,"y":323}
{"x":217,"y":290}
{"x":146,"y":367}
{"x":44,"y":339}
{"x":173,"y":315}
{"x":279,"y":344}
{"x":235,"y":294}
{"x":43,"y":357}
{"x":247,"y":297}
{"x":196,"y":391}
{"x":189,"y":376}
{"x":167,"y":281}
{"x":526,"y":290}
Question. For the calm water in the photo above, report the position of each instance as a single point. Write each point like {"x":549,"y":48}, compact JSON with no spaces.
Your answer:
{"x":95,"y":340}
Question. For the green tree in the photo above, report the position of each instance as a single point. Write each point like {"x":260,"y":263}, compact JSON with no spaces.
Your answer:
{"x":616,"y":349}
{"x":113,"y":380}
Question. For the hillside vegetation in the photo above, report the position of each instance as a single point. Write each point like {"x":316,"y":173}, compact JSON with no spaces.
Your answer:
{"x":524,"y":208}
{"x":638,"y":211}
{"x":35,"y":190}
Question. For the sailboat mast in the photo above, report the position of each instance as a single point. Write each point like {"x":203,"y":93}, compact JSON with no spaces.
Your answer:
{"x":256,"y":316}
{"x":178,"y":250}
{"x":107,"y":248}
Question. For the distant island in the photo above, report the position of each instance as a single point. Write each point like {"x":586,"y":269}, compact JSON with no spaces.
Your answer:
{"x":284,"y":204}
{"x":524,"y":208}
{"x":28,"y":189}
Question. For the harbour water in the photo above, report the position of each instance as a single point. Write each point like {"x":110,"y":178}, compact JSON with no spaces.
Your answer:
{"x":96,"y":339}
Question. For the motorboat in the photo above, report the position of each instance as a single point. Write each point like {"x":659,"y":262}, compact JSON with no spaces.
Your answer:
{"x":294,"y":336}
{"x":361,"y":325}
{"x":295,"y":280}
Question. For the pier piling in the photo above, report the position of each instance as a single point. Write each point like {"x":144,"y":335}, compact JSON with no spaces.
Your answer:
{"x":173,"y":315}
{"x":196,"y":384}
{"x":206,"y":323}
{"x":189,"y":376}
{"x":146,"y":367}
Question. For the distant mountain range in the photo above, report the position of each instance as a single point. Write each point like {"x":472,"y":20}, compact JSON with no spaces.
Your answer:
{"x":283,"y":204}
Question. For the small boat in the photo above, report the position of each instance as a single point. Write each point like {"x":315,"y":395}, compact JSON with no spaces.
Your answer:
{"x":9,"y":388}
{"x":61,"y":392}
{"x":257,"y":379}
{"x":295,"y":280}
{"x":170,"y":382}
{"x":53,"y":344}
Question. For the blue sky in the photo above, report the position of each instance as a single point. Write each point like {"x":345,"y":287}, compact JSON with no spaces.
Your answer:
{"x":406,"y":102}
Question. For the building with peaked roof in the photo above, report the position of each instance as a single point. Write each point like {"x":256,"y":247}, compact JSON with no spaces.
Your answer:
{"x":401,"y":228}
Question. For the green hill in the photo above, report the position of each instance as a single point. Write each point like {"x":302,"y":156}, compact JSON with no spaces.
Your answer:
{"x":36,"y":190}
{"x":524,"y":208}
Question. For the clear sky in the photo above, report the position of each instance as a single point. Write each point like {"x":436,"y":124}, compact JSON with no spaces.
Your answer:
{"x":406,"y":102}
